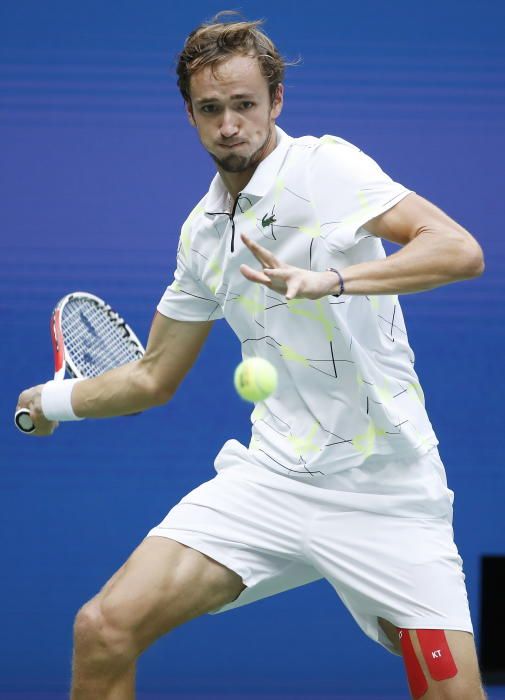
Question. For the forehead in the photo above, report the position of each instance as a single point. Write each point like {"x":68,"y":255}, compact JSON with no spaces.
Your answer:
{"x":236,"y":75}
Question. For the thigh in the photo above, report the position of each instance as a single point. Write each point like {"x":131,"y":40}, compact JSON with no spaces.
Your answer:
{"x":162,"y":585}
{"x":438,"y":663}
{"x":251,"y":525}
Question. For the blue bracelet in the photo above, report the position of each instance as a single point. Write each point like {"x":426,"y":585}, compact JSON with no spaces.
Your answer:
{"x":340,"y":279}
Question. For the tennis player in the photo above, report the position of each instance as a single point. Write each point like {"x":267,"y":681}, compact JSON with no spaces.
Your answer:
{"x":342,"y":479}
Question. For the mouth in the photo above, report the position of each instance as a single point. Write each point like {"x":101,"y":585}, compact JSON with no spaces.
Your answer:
{"x":231,"y":146}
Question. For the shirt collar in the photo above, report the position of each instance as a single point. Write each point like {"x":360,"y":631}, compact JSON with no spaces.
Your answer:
{"x":261,"y":180}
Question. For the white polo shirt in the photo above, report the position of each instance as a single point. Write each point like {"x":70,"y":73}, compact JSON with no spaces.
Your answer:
{"x":347,"y":387}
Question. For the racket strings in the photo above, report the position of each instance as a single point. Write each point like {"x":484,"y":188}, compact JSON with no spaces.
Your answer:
{"x":96,"y":338}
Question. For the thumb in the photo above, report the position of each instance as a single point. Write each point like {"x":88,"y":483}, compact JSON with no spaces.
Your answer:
{"x":292,"y":291}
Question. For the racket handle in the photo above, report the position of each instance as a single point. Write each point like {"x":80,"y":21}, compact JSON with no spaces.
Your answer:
{"x":23,"y":421}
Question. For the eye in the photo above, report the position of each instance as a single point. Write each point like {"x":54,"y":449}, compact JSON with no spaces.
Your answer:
{"x":247,"y":104}
{"x":208,"y":109}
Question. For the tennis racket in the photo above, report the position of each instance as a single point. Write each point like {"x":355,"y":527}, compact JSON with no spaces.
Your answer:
{"x":88,"y":338}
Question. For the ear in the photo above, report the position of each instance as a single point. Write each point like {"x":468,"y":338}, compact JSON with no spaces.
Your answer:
{"x":189,"y":112}
{"x":278,"y":101}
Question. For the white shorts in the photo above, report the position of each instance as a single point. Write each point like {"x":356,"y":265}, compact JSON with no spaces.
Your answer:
{"x":388,"y":555}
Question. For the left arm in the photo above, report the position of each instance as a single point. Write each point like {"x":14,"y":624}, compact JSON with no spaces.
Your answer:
{"x":436,"y":251}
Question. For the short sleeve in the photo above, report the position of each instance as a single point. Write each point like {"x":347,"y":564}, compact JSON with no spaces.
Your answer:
{"x":348,"y":188}
{"x":187,"y":299}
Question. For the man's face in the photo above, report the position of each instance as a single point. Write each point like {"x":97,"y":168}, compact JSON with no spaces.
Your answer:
{"x":233,"y":114}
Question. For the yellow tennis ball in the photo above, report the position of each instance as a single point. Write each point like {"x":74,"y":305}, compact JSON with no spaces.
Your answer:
{"x":255,"y":379}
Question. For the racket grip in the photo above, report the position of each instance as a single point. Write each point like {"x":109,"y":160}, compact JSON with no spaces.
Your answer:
{"x":23,"y":421}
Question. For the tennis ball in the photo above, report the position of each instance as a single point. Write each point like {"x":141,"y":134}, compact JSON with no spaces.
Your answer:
{"x":255,"y":379}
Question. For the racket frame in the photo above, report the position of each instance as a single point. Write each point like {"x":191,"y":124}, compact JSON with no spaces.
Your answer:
{"x":63,"y":362}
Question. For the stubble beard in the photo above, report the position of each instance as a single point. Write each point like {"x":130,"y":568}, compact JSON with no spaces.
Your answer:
{"x":235,"y":163}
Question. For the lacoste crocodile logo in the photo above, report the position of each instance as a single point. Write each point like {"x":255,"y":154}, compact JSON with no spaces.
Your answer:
{"x":268,"y":220}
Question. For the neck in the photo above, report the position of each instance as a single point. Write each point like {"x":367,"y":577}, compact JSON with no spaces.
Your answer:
{"x":235,"y":182}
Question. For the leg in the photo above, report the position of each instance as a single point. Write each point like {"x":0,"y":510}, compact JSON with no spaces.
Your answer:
{"x":459,"y":680}
{"x":162,"y":585}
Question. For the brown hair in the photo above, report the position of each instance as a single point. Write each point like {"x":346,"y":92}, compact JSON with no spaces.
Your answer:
{"x":213,"y":42}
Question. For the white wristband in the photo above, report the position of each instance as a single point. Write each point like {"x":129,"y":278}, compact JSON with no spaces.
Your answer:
{"x":56,"y":400}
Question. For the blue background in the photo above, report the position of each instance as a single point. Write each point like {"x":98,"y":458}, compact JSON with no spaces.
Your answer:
{"x":98,"y":170}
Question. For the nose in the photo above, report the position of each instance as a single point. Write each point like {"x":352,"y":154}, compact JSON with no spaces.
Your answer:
{"x":229,"y":124}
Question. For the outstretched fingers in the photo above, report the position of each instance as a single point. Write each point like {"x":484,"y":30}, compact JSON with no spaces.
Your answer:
{"x":280,"y":277}
{"x":285,"y":279}
{"x":262,"y":255}
{"x":255,"y":275}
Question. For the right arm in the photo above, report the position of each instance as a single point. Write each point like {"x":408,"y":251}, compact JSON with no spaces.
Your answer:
{"x":172,"y":348}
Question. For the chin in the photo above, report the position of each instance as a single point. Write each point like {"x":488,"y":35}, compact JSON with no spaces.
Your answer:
{"x":233,"y":163}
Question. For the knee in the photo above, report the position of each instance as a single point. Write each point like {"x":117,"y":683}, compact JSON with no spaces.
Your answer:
{"x":99,"y":639}
{"x":463,"y":689}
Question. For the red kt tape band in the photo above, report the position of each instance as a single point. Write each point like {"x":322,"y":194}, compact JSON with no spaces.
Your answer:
{"x":437,"y":654}
{"x":417,"y":680}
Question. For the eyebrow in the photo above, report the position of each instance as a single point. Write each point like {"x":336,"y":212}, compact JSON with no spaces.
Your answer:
{"x":241,"y":96}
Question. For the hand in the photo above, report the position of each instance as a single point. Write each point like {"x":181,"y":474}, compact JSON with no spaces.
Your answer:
{"x":30,"y":399}
{"x":293,"y":282}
